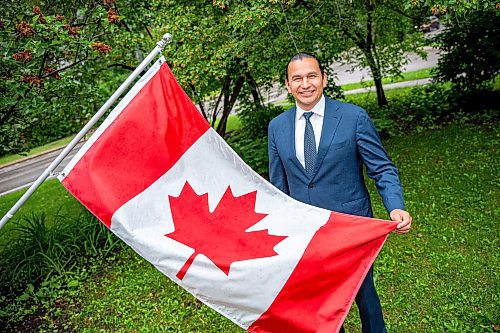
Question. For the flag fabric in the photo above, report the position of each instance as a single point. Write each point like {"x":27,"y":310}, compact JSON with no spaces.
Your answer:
{"x":168,"y":185}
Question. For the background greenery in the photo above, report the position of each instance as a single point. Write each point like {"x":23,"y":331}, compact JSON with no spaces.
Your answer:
{"x":61,"y":270}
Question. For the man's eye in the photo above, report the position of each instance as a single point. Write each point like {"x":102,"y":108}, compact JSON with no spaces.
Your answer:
{"x":297,"y":79}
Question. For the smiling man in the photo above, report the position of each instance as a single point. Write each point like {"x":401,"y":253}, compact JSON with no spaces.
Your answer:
{"x":317,"y":152}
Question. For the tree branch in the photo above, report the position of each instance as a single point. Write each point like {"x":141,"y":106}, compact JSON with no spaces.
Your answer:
{"x":66,"y":67}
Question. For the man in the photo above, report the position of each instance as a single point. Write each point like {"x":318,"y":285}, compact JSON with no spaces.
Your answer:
{"x":317,"y":150}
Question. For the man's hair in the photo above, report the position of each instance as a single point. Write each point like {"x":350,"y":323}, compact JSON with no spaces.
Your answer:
{"x":302,"y":56}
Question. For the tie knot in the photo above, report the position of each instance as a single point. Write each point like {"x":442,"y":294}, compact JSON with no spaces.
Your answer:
{"x":308,"y":115}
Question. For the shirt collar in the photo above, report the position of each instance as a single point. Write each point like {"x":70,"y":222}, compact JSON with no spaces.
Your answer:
{"x":318,"y":109}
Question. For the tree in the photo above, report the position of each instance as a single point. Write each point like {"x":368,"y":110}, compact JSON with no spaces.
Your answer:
{"x":452,"y":6}
{"x":222,"y":49}
{"x":60,"y":61}
{"x":471,"y":57}
{"x":376,"y":33}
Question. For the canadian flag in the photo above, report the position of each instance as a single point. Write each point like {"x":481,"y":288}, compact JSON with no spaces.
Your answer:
{"x":169,"y":186}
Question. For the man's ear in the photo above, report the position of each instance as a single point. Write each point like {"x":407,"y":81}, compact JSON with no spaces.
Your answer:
{"x":325,"y":80}
{"x":288,"y":86}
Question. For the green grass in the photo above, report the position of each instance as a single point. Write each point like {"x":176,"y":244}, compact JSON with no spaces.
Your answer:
{"x":53,"y":145}
{"x":233,"y":123}
{"x":50,"y":199}
{"x":407,"y":76}
{"x":371,"y":96}
{"x":442,"y":277}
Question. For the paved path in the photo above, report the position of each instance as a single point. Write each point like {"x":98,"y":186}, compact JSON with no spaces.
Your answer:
{"x":349,"y":73}
{"x":22,"y":174}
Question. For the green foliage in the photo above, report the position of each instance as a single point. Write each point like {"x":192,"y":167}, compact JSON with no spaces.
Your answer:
{"x":250,"y":141}
{"x":255,"y":118}
{"x":374,"y":34}
{"x":454,"y":7}
{"x":43,"y":263}
{"x":58,"y":63}
{"x":221,"y":49}
{"x":253,"y":150}
{"x":427,"y":107}
{"x":471,"y":56}
{"x":40,"y":251}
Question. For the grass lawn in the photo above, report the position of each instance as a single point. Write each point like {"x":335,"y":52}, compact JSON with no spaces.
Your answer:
{"x":49,"y":146}
{"x":442,"y":277}
{"x":50,"y":199}
{"x":407,"y":76}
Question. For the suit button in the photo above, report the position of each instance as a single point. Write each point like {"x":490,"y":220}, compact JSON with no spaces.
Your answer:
{"x":311,"y":185}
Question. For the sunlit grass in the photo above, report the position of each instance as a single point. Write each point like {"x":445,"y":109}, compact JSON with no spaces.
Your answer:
{"x":407,"y":76}
{"x":49,"y":146}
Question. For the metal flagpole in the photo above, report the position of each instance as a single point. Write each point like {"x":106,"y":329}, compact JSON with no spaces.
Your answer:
{"x":159,"y":47}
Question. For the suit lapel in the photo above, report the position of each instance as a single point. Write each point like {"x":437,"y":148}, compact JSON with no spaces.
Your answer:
{"x":330,"y":124}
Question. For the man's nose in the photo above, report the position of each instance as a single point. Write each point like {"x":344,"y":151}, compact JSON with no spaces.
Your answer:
{"x":305,"y":82}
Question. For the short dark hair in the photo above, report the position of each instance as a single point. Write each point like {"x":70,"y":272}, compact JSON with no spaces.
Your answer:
{"x":302,"y":56}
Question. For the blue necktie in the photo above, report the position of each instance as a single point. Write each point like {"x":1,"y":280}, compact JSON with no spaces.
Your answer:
{"x":309,"y":144}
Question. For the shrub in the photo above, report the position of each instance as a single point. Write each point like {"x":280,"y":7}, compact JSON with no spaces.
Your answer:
{"x":44,"y":264}
{"x":39,"y":251}
{"x":250,"y":142}
{"x":471,"y":57}
{"x":253,"y":150}
{"x":255,"y":118}
{"x":430,"y":106}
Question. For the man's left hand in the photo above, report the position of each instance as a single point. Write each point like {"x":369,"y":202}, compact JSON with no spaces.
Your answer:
{"x":404,"y":220}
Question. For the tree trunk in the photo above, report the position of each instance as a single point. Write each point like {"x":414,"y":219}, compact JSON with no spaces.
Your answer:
{"x":382,"y":100}
{"x":223,"y":92}
{"x":200,"y":103}
{"x":377,"y":77}
{"x":369,"y":49}
{"x":228,"y":105}
{"x":254,"y":89}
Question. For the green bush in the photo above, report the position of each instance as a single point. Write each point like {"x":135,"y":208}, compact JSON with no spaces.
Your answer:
{"x":250,"y":141}
{"x":470,"y":57}
{"x":253,"y":150}
{"x":430,"y":106}
{"x":255,"y":118}
{"x":43,"y":264}
{"x":39,"y":251}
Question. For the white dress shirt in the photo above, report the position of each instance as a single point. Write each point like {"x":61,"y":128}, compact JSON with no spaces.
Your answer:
{"x":300,"y":127}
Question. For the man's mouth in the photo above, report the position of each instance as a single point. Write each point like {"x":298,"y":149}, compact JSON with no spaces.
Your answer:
{"x":306,"y":93}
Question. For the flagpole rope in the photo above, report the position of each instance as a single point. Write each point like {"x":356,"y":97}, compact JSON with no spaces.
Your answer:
{"x":160,"y":45}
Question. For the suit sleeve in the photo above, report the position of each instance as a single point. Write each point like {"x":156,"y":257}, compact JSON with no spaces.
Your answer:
{"x":378,"y":165}
{"x":277,"y":174}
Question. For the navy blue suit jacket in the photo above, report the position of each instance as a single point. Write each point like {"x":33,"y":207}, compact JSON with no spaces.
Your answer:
{"x":348,"y":141}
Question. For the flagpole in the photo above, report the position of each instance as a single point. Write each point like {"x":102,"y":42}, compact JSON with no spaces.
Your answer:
{"x":160,"y":45}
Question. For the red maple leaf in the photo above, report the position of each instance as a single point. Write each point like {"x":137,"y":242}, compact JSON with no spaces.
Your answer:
{"x":220,"y":235}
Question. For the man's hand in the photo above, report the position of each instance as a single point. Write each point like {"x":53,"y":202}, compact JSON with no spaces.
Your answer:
{"x":404,"y":220}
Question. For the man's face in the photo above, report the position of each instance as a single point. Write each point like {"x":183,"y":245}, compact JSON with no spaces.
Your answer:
{"x":305,"y":82}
